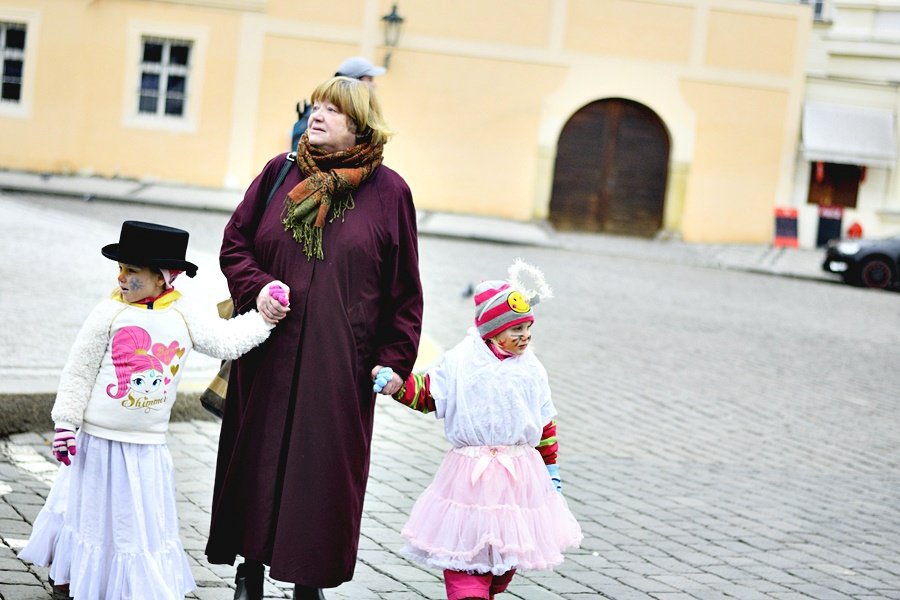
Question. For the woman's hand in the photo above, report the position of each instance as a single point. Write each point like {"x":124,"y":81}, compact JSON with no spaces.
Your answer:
{"x":272,"y":301}
{"x":386,"y":381}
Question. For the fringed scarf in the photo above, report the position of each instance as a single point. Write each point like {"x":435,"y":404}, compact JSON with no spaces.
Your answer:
{"x":326,"y":193}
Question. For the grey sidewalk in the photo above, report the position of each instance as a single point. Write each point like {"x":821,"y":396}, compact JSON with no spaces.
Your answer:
{"x":26,"y":472}
{"x":759,"y":258}
{"x":26,"y":385}
{"x":714,"y":459}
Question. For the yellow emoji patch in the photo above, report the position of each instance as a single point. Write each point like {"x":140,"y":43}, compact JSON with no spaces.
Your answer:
{"x":518,"y":303}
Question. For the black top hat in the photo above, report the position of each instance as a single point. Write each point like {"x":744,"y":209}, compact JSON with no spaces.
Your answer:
{"x":151,"y":245}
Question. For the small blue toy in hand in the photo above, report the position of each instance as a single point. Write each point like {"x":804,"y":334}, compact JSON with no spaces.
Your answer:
{"x":554,"y":477}
{"x":382,"y":378}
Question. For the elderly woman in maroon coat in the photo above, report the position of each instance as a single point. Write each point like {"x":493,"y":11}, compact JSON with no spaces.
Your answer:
{"x":340,"y":237}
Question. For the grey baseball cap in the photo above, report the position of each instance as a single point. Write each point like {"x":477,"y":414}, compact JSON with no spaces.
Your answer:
{"x":358,"y":66}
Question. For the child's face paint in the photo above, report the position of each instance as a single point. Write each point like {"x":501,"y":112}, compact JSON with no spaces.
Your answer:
{"x":138,"y":283}
{"x":515,"y":339}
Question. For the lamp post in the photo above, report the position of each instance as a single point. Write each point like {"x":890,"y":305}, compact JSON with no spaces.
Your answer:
{"x":392,"y":24}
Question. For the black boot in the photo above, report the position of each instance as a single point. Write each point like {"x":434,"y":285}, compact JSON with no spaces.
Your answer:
{"x":248,"y":581}
{"x":301,"y":592}
{"x":61,"y":593}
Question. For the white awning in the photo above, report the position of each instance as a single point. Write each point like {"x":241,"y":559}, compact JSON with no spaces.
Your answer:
{"x":849,"y":135}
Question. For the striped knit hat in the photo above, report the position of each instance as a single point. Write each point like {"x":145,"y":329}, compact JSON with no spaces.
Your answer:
{"x":499,"y":306}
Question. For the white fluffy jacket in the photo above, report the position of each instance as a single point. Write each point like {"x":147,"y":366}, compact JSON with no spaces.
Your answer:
{"x":485,"y":401}
{"x":120,"y":379}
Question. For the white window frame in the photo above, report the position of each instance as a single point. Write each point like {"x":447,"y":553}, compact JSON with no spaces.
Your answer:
{"x":30,"y":20}
{"x":138,"y":32}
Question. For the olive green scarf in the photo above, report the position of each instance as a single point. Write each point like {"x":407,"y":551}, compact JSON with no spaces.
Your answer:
{"x":326,"y":192}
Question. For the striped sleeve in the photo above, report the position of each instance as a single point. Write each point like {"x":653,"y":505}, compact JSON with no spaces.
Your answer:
{"x":416,"y":394}
{"x":548,"y":446}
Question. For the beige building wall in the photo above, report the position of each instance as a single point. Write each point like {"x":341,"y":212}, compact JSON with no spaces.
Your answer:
{"x":749,"y":106}
{"x":40,"y":133}
{"x":478,"y":93}
{"x":734,"y":177}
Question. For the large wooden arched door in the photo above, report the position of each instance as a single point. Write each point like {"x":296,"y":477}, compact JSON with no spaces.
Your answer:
{"x":612,"y":163}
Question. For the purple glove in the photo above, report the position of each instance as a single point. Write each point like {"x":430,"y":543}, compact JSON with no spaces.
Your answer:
{"x":64,"y":445}
{"x":277,"y":292}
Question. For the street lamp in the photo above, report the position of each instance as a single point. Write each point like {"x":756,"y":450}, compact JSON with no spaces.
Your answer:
{"x":392,"y":24}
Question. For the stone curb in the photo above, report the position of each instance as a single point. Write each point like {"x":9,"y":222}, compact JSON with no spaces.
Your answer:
{"x":24,"y":412}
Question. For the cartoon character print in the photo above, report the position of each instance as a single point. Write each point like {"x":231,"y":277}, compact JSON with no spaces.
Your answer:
{"x":142,"y":380}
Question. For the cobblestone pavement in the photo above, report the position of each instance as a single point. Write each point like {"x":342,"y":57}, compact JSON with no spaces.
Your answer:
{"x":723,"y":434}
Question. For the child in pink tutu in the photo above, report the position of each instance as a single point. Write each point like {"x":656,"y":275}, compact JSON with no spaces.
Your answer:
{"x":109,"y":528}
{"x":493,"y":506}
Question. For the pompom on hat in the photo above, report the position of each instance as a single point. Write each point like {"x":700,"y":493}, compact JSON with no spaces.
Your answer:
{"x":151,"y":245}
{"x":502,"y":304}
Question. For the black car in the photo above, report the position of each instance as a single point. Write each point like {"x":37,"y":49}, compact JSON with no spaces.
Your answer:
{"x":869,"y":263}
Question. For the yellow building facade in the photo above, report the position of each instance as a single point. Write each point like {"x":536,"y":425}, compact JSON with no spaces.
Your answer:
{"x":626,"y":116}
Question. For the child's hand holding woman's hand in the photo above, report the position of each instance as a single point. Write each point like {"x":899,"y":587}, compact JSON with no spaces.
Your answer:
{"x":386,"y":381}
{"x":272,"y":302}
{"x":64,"y":445}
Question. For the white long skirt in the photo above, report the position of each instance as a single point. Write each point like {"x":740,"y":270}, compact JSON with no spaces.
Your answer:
{"x":109,"y":527}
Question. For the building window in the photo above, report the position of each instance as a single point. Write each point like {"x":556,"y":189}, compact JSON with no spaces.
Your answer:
{"x":820,"y":9}
{"x":165,"y":66}
{"x":12,"y":53}
{"x":832,"y":184}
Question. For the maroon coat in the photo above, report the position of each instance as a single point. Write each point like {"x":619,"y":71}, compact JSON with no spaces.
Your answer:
{"x":294,"y":448}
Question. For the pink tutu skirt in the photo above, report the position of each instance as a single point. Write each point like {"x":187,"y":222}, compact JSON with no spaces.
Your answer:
{"x":489,"y":510}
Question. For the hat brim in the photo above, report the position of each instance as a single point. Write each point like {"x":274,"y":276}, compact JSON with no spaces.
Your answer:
{"x":372,"y":71}
{"x":113,"y":252}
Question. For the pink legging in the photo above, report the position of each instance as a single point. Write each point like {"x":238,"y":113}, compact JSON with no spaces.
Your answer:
{"x":461,"y":585}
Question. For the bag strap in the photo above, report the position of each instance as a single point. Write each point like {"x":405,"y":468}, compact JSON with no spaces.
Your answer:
{"x":289,"y":160}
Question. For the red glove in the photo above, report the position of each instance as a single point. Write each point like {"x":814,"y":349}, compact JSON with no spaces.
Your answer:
{"x":64,"y":445}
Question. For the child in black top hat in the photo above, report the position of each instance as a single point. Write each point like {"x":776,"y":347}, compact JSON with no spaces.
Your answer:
{"x":109,"y":528}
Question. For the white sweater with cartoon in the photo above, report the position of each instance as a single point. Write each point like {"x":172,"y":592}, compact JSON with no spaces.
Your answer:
{"x":120,"y":379}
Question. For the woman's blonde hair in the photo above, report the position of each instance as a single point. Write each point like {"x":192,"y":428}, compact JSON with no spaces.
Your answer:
{"x":354,"y":98}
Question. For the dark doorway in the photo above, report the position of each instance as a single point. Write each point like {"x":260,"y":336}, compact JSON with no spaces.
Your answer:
{"x":832,"y":184}
{"x":612,"y":164}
